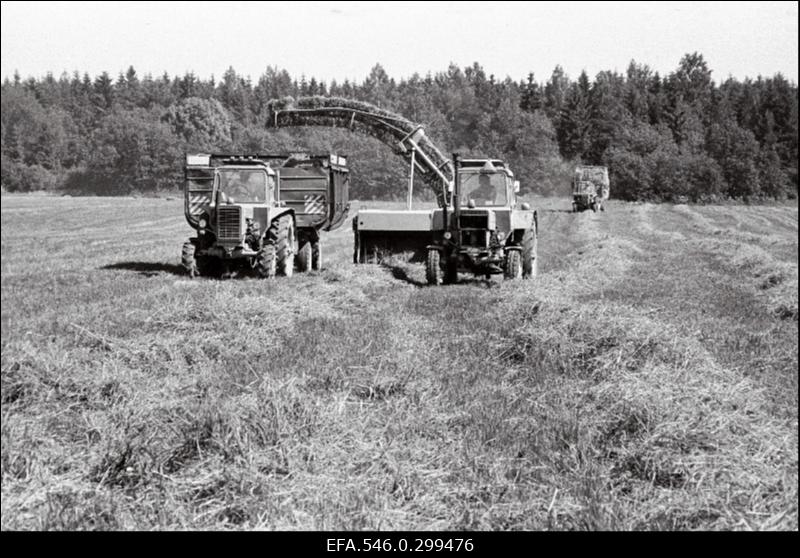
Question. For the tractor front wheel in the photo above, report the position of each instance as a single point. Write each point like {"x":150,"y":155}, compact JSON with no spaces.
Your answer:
{"x":433,"y":267}
{"x":451,"y":272}
{"x":188,"y":260}
{"x":513,"y":265}
{"x":282,"y":237}
{"x":266,"y":263}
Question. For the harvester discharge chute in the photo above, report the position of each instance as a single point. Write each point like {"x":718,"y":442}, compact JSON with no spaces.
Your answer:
{"x":405,"y":137}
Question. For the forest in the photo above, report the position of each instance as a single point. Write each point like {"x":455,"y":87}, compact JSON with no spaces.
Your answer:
{"x":680,"y":137}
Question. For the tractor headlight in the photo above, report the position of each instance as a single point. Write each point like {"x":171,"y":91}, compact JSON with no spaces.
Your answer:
{"x":202,"y":223}
{"x":501,"y":235}
{"x":447,"y":235}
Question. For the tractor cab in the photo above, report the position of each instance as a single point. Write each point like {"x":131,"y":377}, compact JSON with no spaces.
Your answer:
{"x":487,"y":183}
{"x":253,"y":184}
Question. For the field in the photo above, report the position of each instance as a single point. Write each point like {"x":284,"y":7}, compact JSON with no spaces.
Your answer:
{"x":646,"y":380}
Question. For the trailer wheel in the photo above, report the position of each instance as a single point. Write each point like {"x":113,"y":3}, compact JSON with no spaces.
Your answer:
{"x":188,"y":260}
{"x":283,"y":238}
{"x":316,"y":255}
{"x":303,"y":258}
{"x":266,"y":263}
{"x":513,"y":267}
{"x":433,"y":267}
{"x":530,"y":254}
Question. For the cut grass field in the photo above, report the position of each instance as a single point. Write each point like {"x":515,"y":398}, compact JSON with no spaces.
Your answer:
{"x":646,"y":380}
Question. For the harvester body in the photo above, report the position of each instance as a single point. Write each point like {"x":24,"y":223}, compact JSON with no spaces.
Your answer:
{"x":590,"y":188}
{"x":260,"y":211}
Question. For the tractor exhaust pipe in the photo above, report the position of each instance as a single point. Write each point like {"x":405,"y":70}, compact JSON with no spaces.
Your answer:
{"x":455,"y":225}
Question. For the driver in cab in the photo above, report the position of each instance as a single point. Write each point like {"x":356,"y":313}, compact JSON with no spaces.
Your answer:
{"x":486,"y":192}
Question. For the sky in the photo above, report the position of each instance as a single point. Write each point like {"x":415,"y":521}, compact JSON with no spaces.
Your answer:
{"x":344,"y":40}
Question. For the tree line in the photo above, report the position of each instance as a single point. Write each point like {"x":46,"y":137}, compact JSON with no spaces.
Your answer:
{"x":678,"y":137}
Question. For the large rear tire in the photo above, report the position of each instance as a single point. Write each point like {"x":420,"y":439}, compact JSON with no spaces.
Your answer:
{"x":433,"y":267}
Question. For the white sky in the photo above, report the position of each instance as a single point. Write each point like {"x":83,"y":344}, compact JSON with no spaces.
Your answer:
{"x":346,"y":39}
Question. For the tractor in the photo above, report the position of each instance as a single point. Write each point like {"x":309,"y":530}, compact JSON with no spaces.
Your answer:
{"x":482,"y":231}
{"x":261,"y":212}
{"x":590,"y":187}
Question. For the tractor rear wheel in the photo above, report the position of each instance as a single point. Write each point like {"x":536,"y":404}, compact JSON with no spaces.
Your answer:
{"x":513,"y":265}
{"x":433,"y":267}
{"x":188,"y":260}
{"x":530,"y":254}
{"x":316,"y":255}
{"x":304,"y":257}
{"x":282,"y":237}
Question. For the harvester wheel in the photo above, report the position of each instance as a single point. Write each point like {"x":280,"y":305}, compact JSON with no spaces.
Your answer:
{"x":316,"y":255}
{"x":188,"y":260}
{"x":530,"y":254}
{"x":513,"y":267}
{"x":433,"y":267}
{"x":266,"y":261}
{"x":304,"y":257}
{"x":282,"y":237}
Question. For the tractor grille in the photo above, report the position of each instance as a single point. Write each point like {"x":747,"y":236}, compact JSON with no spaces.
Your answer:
{"x":228,"y":223}
{"x":480,"y":221}
{"x":475,"y":239}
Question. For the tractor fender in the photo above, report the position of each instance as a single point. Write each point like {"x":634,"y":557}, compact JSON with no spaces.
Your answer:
{"x":435,"y":247}
{"x":272,"y":217}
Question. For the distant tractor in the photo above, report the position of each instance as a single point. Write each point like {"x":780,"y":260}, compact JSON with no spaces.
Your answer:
{"x":590,"y":188}
{"x":261,"y":212}
{"x":482,"y":232}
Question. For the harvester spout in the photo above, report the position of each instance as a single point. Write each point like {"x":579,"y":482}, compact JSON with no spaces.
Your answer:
{"x":405,"y":137}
